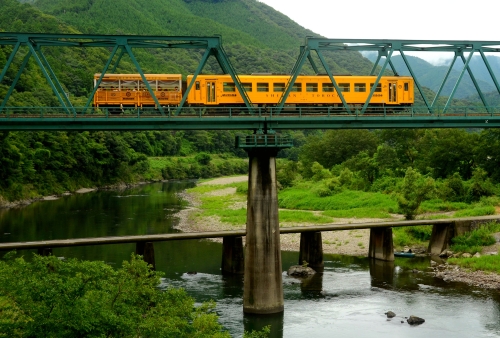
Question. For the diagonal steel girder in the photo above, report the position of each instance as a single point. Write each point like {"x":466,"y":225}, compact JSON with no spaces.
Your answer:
{"x":386,"y":48}
{"x":123,"y":43}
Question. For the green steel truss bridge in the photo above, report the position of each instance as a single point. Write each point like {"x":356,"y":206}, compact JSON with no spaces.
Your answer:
{"x":429,"y":114}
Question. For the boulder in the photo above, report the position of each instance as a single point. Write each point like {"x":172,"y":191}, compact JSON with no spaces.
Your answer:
{"x":390,"y":314}
{"x":466,"y":255}
{"x":414,"y":320}
{"x":477,"y":255}
{"x":300,"y":271}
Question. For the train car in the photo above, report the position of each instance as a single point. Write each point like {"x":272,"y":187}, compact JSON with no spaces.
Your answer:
{"x":129,"y":90}
{"x":318,"y":90}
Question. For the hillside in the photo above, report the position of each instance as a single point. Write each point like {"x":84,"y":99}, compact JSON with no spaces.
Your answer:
{"x":432,"y":76}
{"x":256,"y":37}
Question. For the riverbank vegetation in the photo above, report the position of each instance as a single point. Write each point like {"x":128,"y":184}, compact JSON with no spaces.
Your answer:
{"x":49,"y":297}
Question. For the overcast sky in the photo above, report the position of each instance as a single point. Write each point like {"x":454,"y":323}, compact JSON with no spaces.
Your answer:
{"x":395,"y":19}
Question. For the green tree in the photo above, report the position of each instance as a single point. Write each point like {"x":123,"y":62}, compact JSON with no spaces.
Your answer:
{"x":336,"y":146}
{"x":414,"y":189}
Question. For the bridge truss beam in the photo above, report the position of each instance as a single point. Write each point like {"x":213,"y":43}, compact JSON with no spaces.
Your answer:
{"x":119,"y":45}
{"x":463,"y":50}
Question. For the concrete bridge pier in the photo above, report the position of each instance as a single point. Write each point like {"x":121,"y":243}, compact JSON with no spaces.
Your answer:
{"x":311,"y":250}
{"x":147,"y":251}
{"x":45,"y":251}
{"x":262,"y":289}
{"x":233,"y":261}
{"x":381,"y":245}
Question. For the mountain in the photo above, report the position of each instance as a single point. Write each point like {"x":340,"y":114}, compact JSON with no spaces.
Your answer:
{"x":432,"y":76}
{"x":256,"y":37}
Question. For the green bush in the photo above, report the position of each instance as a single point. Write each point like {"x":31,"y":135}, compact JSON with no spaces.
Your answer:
{"x":49,"y":297}
{"x":473,"y":241}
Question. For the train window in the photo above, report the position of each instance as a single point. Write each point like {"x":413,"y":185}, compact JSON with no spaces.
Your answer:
{"x":360,"y":87}
{"x":345,"y":87}
{"x":328,"y":88}
{"x":247,"y":86}
{"x":406,"y":86}
{"x":262,"y":86}
{"x":228,"y":86}
{"x":279,"y":87}
{"x":378,"y":89}
{"x":297,"y":87}
{"x":197,"y":85}
{"x":312,"y":87}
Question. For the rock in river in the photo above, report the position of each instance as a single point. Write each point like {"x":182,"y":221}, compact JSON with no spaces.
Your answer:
{"x":390,"y":314}
{"x":414,"y":320}
{"x":300,"y":271}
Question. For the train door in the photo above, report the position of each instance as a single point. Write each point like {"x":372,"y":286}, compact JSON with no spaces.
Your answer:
{"x":197,"y":91}
{"x":211,"y":92}
{"x":393,"y":93}
{"x":406,"y":92}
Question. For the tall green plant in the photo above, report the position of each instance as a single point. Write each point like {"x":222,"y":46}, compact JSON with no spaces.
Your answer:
{"x":413,"y":191}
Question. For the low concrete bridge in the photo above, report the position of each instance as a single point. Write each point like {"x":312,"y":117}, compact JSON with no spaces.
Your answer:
{"x":381,"y":245}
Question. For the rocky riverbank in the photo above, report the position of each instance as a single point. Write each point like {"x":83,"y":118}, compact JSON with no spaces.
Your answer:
{"x":453,"y":273}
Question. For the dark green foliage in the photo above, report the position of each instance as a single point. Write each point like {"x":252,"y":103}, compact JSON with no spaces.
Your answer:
{"x":336,"y":146}
{"x":481,"y":186}
{"x":49,"y":297}
{"x":203,"y":158}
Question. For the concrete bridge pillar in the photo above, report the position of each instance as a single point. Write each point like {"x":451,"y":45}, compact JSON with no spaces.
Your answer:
{"x":233,"y":261}
{"x":147,"y":251}
{"x":440,"y":238}
{"x":311,"y":250}
{"x":381,"y":245}
{"x":45,"y":251}
{"x":263,"y":289}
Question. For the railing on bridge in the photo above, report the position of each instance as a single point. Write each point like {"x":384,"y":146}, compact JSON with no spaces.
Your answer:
{"x":242,"y":118}
{"x":207,"y":112}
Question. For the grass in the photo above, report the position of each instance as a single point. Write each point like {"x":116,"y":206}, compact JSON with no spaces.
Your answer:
{"x":301,"y":197}
{"x":483,"y":263}
{"x":358,"y":213}
{"x":476,"y":211}
{"x":300,"y":216}
{"x":474,"y":241}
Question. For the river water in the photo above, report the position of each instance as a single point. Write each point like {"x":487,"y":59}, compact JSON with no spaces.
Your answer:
{"x":348,"y":300}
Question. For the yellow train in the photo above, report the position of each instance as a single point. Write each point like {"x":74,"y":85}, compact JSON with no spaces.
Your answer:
{"x":262,"y":90}
{"x":130,"y":91}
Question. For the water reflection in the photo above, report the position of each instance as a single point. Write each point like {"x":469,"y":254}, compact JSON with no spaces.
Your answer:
{"x":255,"y":322}
{"x":312,"y":287}
{"x":382,"y":273}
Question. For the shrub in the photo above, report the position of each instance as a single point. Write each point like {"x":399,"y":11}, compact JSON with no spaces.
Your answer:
{"x":52,"y":298}
{"x":203,"y":158}
{"x":473,"y":241}
{"x":413,"y":191}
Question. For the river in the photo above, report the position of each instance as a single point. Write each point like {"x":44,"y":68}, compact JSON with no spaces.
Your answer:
{"x":348,"y":300}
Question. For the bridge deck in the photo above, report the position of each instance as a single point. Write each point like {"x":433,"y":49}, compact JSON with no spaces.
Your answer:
{"x":216,"y":234}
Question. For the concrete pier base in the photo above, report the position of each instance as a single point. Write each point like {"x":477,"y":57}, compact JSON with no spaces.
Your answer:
{"x":263,"y":289}
{"x":45,"y":251}
{"x":311,"y":250}
{"x":147,"y":251}
{"x":233,"y":261}
{"x":440,"y":238}
{"x":381,"y":245}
